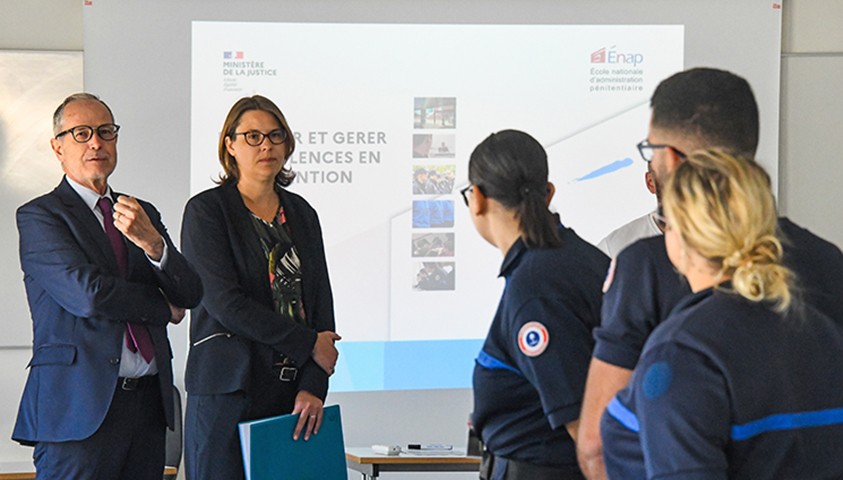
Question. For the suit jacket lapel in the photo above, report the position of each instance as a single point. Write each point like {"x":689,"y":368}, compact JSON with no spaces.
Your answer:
{"x":242,"y":224}
{"x":82,"y":216}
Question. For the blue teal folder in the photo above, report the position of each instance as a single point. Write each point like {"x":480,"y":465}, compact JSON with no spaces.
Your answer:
{"x":270,"y":453}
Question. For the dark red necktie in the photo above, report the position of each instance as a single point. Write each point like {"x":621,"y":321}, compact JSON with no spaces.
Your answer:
{"x":137,"y":337}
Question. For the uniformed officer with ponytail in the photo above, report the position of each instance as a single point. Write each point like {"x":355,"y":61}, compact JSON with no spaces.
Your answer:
{"x":530,"y":375}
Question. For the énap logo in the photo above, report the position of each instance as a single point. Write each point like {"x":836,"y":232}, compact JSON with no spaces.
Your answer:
{"x":229,"y":55}
{"x":612,"y":56}
{"x":599,"y":56}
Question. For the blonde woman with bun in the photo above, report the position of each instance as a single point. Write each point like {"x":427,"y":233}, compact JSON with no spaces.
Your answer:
{"x":726,"y":214}
{"x":742,"y":380}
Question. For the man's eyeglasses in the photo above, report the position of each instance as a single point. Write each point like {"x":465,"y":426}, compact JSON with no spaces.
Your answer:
{"x":661,"y":221}
{"x":83,"y":133}
{"x":647,"y":149}
{"x":255,"y":138}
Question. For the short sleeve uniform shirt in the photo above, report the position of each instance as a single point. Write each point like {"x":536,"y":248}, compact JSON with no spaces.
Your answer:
{"x":530,"y":375}
{"x":643,"y":288}
{"x":728,"y":388}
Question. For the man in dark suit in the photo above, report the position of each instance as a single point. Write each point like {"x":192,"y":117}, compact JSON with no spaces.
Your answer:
{"x":103,"y":280}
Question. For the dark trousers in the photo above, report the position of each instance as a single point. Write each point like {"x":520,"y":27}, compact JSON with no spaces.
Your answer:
{"x":211,"y":437}
{"x":129,"y":445}
{"x":498,"y":468}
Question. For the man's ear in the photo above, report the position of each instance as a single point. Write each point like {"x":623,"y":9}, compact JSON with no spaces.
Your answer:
{"x":551,"y":190}
{"x":56,"y":145}
{"x":673,"y":158}
{"x":650,"y":181}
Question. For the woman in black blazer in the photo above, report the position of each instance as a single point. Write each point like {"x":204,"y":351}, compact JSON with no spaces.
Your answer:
{"x":262,"y":341}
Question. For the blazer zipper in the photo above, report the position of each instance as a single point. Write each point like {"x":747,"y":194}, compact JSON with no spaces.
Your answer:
{"x":209,"y":337}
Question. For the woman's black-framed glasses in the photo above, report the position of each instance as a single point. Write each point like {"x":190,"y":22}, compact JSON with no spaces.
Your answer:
{"x":255,"y":137}
{"x":464,"y":193}
{"x":83,"y":133}
{"x":647,"y":149}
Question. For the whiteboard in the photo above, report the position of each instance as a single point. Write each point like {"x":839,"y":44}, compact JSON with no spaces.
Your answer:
{"x":32,"y":85}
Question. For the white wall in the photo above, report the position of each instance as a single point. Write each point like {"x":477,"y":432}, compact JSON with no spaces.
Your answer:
{"x":29,"y":25}
{"x":811,"y":143}
{"x":809,"y":191}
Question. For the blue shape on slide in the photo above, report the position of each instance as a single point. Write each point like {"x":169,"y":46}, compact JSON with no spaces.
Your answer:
{"x":606,"y":169}
{"x":359,"y":368}
{"x":405,"y":365}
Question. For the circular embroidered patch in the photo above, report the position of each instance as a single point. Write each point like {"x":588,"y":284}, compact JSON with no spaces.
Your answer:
{"x":533,"y":339}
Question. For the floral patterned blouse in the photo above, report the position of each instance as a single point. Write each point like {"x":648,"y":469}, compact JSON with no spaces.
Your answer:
{"x":284,"y":266}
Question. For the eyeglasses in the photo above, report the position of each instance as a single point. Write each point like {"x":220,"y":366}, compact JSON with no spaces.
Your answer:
{"x":255,"y":137}
{"x":83,"y":133}
{"x":647,"y":149}
{"x":464,"y":193}
{"x":661,"y":221}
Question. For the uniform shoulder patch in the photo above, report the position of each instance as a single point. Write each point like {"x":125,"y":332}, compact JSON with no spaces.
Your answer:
{"x":533,"y":339}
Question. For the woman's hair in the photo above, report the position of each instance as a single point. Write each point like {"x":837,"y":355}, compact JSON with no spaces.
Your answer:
{"x":511,"y":167}
{"x":723,"y":208}
{"x":232,"y":120}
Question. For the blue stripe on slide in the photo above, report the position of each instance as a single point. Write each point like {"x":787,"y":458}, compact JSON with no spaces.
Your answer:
{"x":623,"y":415}
{"x":788,"y":421}
{"x":487,"y":361}
{"x":404,"y":365}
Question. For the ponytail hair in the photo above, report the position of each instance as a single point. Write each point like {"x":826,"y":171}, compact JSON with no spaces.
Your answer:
{"x":511,"y":167}
{"x":723,"y":209}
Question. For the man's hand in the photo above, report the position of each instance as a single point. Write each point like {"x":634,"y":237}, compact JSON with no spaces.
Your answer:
{"x":309,"y":408}
{"x":604,"y":382}
{"x":131,"y":219}
{"x":324,"y":352}
{"x":176,"y":314}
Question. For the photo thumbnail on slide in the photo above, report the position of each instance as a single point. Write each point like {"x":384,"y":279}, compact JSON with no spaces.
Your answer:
{"x":433,"y":145}
{"x":434,"y":276}
{"x":357,"y":101}
{"x":435,"y":112}
{"x":433,"y":213}
{"x":433,"y":245}
{"x":434,"y":179}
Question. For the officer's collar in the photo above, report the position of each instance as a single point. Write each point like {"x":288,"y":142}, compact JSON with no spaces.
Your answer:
{"x":510,"y":260}
{"x":697,"y":297}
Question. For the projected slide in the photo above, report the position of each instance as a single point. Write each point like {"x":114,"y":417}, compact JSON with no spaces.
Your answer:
{"x":385,"y":118}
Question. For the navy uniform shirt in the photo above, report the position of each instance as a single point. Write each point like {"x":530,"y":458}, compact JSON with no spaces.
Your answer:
{"x":644,"y":287}
{"x":530,"y":375}
{"x":728,"y":388}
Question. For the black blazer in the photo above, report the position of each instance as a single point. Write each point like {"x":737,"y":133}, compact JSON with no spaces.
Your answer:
{"x":236,"y":316}
{"x":80,"y":306}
